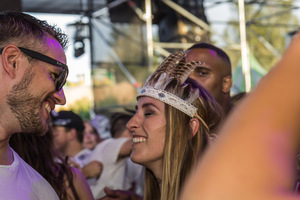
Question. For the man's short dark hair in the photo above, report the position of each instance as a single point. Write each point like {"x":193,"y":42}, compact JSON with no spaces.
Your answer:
{"x":27,"y":31}
{"x":118,"y":123}
{"x":220,"y":52}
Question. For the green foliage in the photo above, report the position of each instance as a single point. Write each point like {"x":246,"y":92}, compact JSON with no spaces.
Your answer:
{"x":267,"y":24}
{"x":107,"y":102}
{"x":81,"y":107}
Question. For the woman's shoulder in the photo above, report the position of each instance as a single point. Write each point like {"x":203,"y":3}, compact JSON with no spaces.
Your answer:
{"x":80,"y":184}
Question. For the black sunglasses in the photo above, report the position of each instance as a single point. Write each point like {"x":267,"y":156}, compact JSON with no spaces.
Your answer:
{"x":61,"y":80}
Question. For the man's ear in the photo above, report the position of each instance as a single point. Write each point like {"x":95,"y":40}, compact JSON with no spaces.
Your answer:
{"x":227,"y":83}
{"x":72,"y":134}
{"x":10,"y":59}
{"x":194,"y":124}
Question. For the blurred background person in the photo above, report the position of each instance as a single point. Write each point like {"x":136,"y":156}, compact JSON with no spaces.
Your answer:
{"x":134,"y":173}
{"x":68,"y":130}
{"x":112,"y":153}
{"x":90,"y":136}
{"x":102,"y":124}
{"x":215,"y":72}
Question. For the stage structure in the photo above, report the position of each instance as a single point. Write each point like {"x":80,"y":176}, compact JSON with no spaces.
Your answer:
{"x":120,"y":32}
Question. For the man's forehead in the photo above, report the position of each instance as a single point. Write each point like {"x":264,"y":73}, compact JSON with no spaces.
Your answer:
{"x":212,"y":60}
{"x":201,"y":52}
{"x":209,"y":57}
{"x":55,"y":50}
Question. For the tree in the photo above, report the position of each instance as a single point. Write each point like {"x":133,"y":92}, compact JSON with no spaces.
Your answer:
{"x":268,"y":24}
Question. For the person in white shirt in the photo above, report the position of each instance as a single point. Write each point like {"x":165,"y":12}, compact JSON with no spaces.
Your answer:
{"x":114,"y":153}
{"x":67,"y":130}
{"x":33,"y":71}
{"x":15,"y":179}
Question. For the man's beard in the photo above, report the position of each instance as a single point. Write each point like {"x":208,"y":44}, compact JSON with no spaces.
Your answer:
{"x":26,"y":107}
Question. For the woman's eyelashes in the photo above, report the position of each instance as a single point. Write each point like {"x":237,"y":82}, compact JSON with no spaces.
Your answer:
{"x":148,"y":113}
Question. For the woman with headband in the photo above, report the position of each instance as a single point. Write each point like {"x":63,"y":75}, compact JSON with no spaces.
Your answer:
{"x":172,"y":126}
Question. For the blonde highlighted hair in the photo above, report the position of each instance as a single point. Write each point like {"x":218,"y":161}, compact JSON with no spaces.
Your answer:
{"x":182,"y":149}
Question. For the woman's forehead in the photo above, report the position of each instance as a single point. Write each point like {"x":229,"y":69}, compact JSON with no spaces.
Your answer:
{"x":148,"y":101}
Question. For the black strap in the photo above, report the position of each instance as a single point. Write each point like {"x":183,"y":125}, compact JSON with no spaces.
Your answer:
{"x":74,"y":191}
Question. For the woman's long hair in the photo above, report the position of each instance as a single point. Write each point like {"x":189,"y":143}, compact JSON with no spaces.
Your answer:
{"x":39,"y":153}
{"x":182,"y":149}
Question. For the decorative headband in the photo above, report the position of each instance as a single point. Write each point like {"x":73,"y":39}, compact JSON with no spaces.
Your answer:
{"x":173,"y":68}
{"x":169,"y":99}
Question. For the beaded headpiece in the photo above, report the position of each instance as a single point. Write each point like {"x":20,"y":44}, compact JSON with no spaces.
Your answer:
{"x":173,"y":68}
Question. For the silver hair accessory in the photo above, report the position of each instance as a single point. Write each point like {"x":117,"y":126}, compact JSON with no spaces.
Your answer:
{"x":173,"y":68}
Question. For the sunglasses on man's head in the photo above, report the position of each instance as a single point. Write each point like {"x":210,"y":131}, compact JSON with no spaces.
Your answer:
{"x":61,"y":80}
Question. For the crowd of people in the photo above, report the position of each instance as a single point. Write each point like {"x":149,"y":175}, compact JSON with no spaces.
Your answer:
{"x":187,"y":138}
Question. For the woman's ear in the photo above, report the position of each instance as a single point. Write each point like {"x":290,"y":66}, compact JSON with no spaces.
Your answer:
{"x":194,"y":124}
{"x":10,"y":55}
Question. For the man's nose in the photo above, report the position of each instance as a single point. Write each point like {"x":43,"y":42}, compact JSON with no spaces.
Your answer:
{"x":60,"y":97}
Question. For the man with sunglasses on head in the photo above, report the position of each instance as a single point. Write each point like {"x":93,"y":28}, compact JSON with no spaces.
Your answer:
{"x":33,"y":72}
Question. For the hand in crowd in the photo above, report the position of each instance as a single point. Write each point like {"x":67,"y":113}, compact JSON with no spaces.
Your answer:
{"x":120,"y":195}
{"x":73,"y":164}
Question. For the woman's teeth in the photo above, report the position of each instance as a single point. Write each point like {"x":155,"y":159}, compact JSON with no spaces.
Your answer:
{"x":138,"y":140}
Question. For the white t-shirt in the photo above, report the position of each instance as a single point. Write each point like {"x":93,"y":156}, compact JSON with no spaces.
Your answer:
{"x":82,"y":158}
{"x":134,"y":176}
{"x":113,"y":173}
{"x":20,"y":181}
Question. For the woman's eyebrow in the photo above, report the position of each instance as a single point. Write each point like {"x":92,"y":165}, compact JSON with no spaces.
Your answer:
{"x":145,"y":105}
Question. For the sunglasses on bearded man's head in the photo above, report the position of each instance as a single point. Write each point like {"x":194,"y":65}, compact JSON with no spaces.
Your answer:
{"x":61,"y":80}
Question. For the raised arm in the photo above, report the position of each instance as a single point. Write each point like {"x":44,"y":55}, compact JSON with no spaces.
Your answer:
{"x":92,"y":170}
{"x":125,"y":149}
{"x":254,"y":157}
